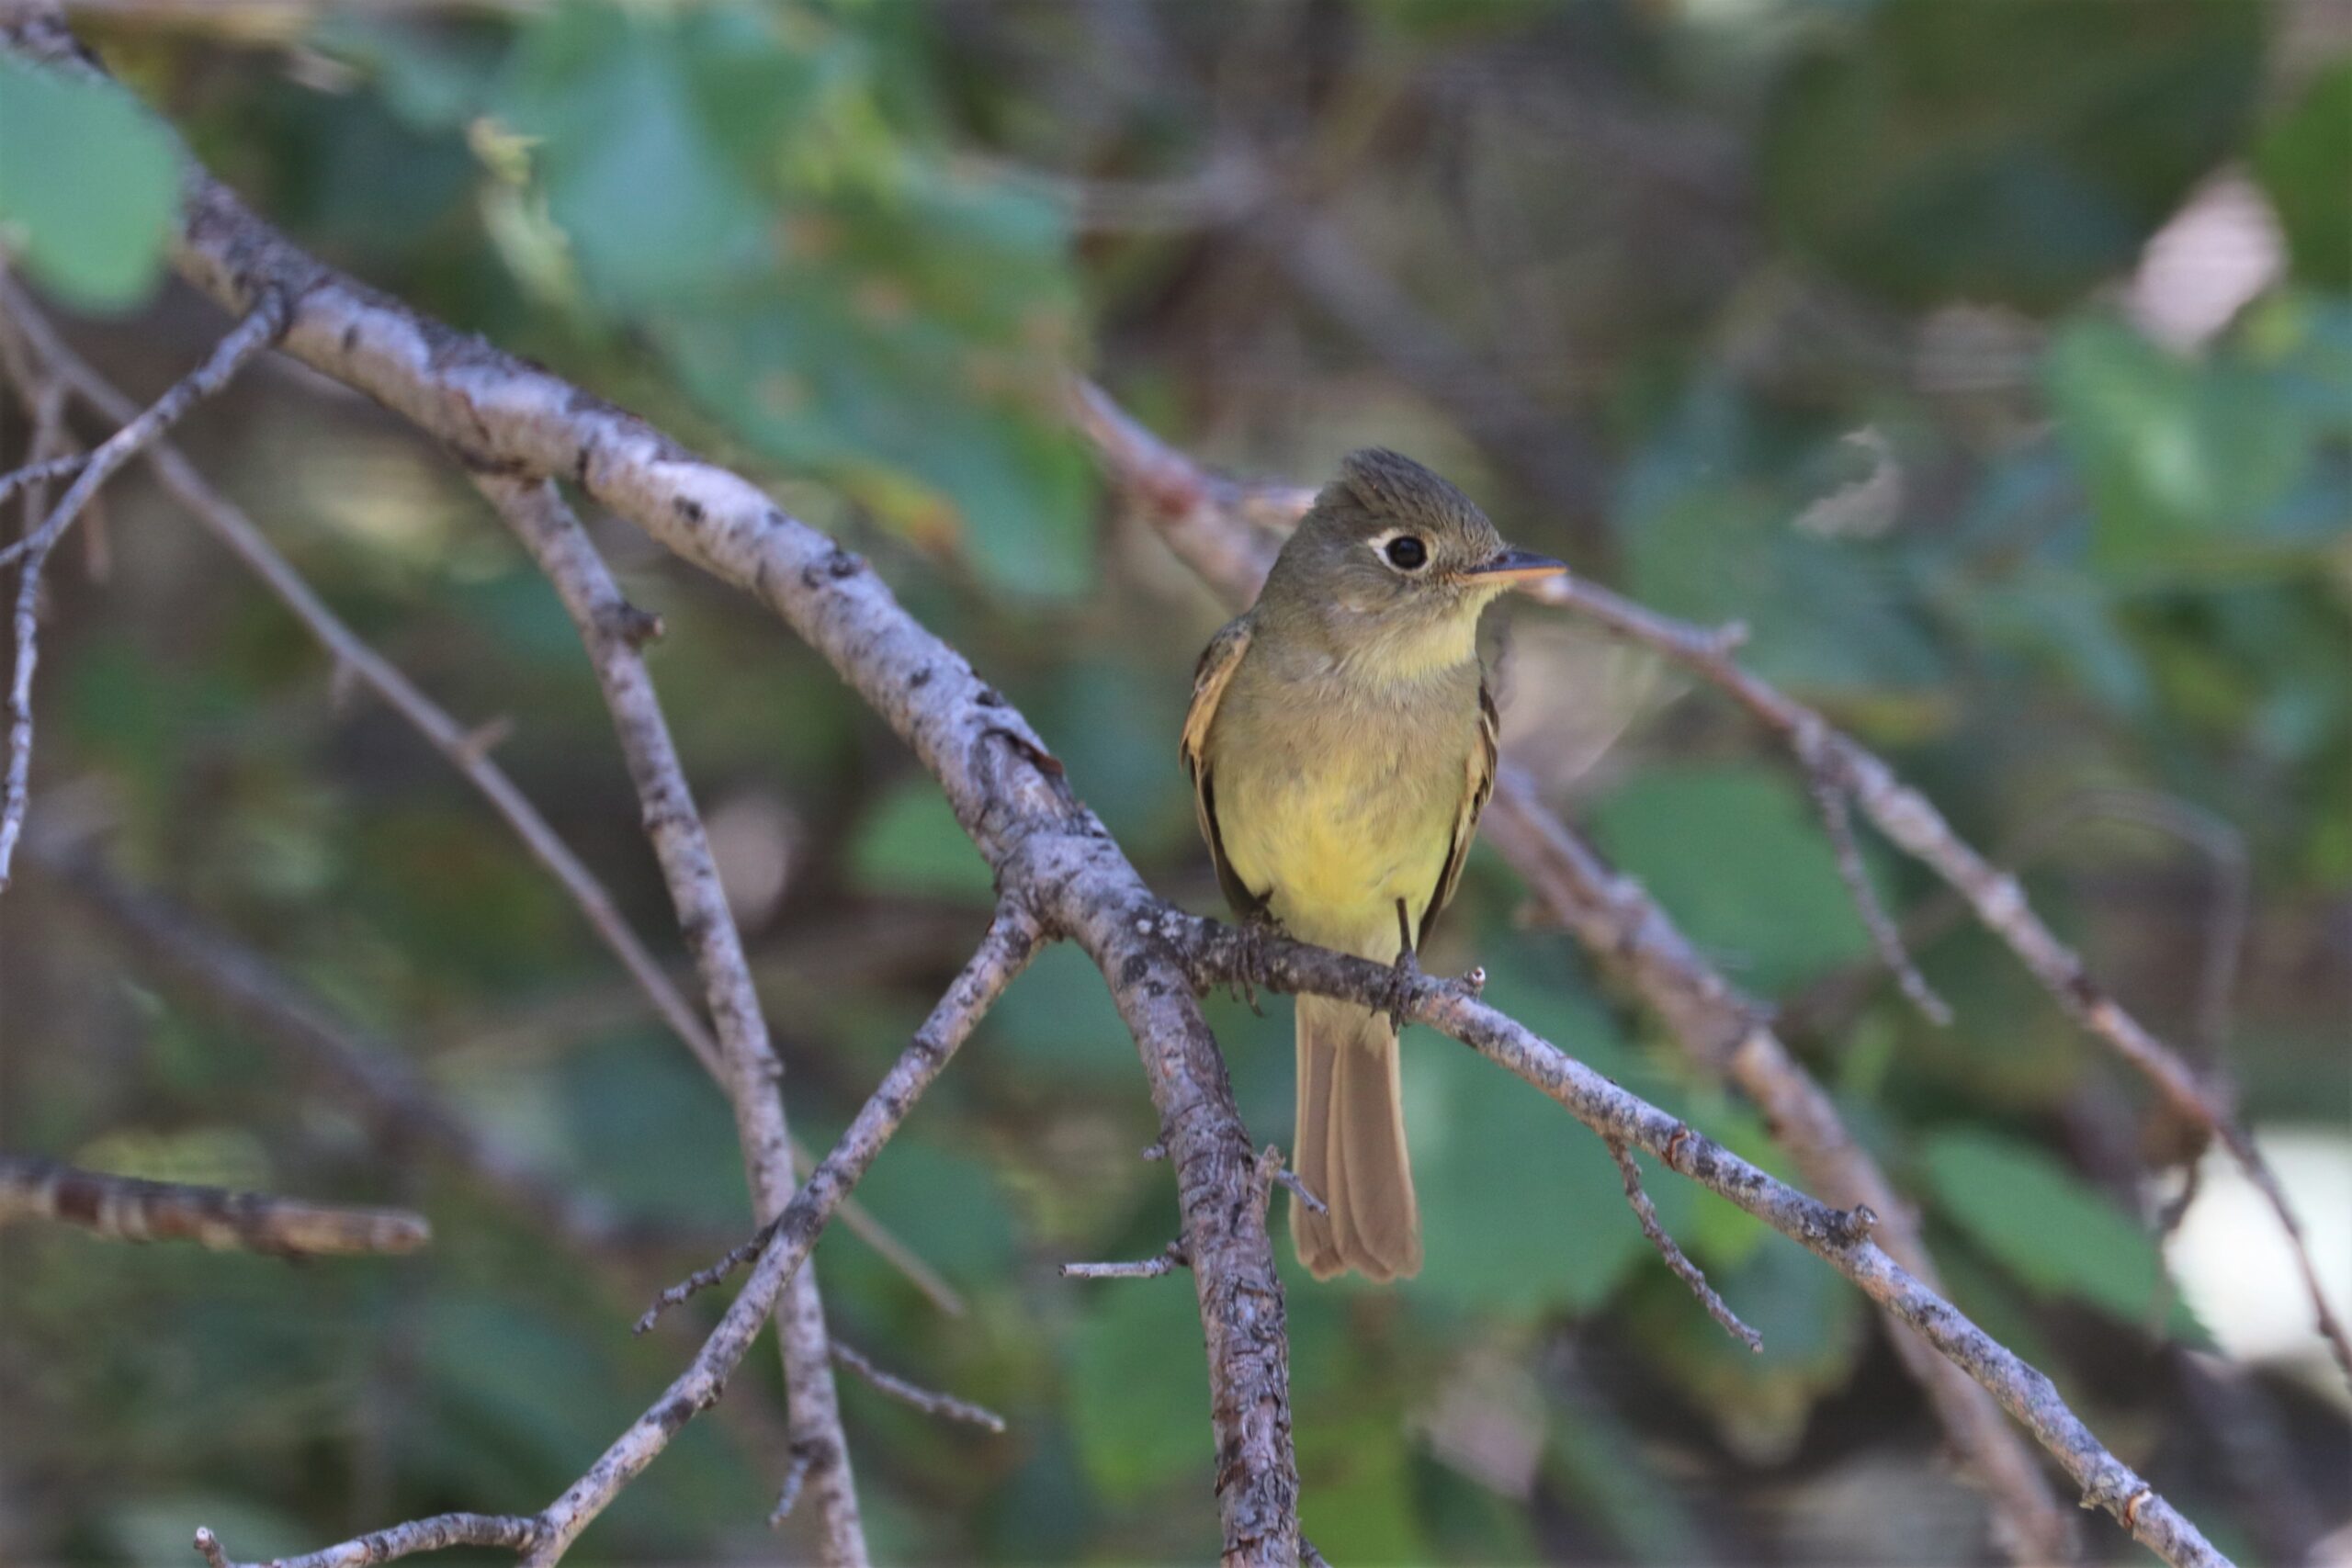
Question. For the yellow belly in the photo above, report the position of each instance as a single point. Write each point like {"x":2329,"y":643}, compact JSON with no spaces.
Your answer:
{"x":1336,"y":834}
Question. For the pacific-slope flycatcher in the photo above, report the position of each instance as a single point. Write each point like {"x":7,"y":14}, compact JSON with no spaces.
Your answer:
{"x":1341,"y":745}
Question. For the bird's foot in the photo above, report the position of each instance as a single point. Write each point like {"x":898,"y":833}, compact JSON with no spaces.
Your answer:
{"x":1405,"y":974}
{"x":1257,"y":925}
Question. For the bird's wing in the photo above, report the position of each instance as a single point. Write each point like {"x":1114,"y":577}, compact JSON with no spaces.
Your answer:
{"x":1210,"y":678}
{"x":1477,"y":788}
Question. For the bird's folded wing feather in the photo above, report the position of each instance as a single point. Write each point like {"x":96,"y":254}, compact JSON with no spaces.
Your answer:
{"x":1210,"y":678}
{"x":1477,"y":788}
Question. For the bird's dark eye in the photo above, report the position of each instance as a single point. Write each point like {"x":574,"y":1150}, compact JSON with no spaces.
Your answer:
{"x":1406,"y":553}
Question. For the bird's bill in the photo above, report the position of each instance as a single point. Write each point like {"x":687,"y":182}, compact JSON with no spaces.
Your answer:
{"x":1517,"y":565}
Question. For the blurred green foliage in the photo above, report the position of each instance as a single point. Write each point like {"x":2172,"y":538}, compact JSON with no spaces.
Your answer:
{"x":88,"y":188}
{"x":854,"y":249}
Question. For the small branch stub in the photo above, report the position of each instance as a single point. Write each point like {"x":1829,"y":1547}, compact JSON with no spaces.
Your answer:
{"x":1167,"y":1262}
{"x":1687,"y":1271}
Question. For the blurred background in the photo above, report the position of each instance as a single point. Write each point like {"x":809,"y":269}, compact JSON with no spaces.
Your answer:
{"x":1991,"y":360}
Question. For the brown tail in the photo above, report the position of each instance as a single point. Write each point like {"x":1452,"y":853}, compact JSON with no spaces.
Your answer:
{"x":1351,"y":1148}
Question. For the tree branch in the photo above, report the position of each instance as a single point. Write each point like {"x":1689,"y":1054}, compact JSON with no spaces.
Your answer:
{"x":126,"y":1208}
{"x":1054,"y":858}
{"x":1220,"y":955}
{"x":458,"y":744}
{"x":609,"y":627}
{"x":944,"y":1405}
{"x":35,"y":474}
{"x":1168,"y":1261}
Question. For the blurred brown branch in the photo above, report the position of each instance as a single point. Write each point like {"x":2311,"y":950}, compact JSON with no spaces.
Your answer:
{"x":126,"y":1208}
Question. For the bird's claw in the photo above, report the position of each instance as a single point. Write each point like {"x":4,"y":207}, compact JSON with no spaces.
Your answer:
{"x":1255,"y":926}
{"x":1405,"y":974}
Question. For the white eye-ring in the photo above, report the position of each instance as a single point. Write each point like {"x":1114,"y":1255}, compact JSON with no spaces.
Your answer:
{"x":1401,"y":548}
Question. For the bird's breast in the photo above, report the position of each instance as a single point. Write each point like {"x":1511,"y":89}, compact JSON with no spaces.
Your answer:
{"x":1336,"y":803}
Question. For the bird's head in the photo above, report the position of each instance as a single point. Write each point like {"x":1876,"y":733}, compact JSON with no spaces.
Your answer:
{"x":1396,"y":564}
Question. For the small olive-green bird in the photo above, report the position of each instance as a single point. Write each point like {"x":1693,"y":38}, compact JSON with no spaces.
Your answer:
{"x":1341,"y":745}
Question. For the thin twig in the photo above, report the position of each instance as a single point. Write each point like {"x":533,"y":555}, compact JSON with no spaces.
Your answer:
{"x":787,"y":1496}
{"x":264,"y":320}
{"x":1676,"y":1259}
{"x":229,"y":523}
{"x":1167,"y":1262}
{"x":436,"y":1534}
{"x":609,"y":627}
{"x":1282,"y":1177}
{"x":1837,"y":825}
{"x":708,"y":1278}
{"x":944,"y":1405}
{"x":126,"y":1208}
{"x":40,"y":473}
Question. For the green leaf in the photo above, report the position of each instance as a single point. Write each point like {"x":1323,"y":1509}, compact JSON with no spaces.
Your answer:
{"x":910,"y":842}
{"x":1140,"y":1399}
{"x":1738,"y":858}
{"x":89,"y":188}
{"x":632,"y":168}
{"x":2305,"y":164}
{"x":2005,"y":152}
{"x":852,"y":304}
{"x":1358,"y":1505}
{"x":2058,"y":1235}
{"x":2183,"y":459}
